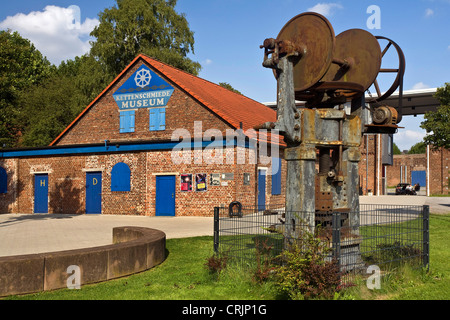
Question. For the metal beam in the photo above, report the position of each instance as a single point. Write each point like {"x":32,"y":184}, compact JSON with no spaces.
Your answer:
{"x":415,"y":102}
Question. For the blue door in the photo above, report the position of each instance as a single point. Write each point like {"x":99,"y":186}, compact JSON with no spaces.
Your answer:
{"x":93,"y":193}
{"x":261,"y":190}
{"x":165,"y":196}
{"x":41,"y":193}
{"x":419,"y":177}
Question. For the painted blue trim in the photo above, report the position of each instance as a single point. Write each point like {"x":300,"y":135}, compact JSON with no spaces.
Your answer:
{"x":121,"y":178}
{"x":113,"y":147}
{"x":276,"y":176}
{"x":3,"y":181}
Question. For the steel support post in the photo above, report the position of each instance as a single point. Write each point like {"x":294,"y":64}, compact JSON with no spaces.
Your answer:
{"x":216,"y":229}
{"x":426,"y":236}
{"x":336,"y":237}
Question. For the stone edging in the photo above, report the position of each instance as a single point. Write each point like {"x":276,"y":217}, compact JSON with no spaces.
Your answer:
{"x":134,"y":249}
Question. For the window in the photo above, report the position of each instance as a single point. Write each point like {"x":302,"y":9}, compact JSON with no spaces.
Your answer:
{"x":276,"y":176}
{"x":127,"y":121}
{"x":158,"y":119}
{"x":3,"y":181}
{"x":120,"y":178}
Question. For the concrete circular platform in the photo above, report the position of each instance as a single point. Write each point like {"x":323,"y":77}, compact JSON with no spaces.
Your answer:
{"x":30,"y":234}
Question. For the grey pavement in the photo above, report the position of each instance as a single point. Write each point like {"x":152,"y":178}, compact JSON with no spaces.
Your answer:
{"x":438,"y":205}
{"x":31,"y":234}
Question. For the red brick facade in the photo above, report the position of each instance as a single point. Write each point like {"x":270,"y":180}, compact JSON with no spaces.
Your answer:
{"x":100,"y":122}
{"x":439,"y":164}
{"x":403,"y":167}
{"x":67,"y":184}
{"x":376,"y":176}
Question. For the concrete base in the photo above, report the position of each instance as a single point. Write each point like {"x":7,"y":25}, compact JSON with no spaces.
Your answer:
{"x":135,"y":249}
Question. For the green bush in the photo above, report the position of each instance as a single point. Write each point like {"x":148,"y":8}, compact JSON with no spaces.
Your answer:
{"x":304,"y":272}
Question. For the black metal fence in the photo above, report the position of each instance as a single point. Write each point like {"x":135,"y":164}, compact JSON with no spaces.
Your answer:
{"x":381,"y":235}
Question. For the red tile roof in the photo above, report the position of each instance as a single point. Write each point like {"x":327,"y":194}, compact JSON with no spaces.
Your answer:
{"x":232,"y":107}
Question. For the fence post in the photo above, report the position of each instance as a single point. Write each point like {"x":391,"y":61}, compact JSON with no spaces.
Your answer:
{"x":216,"y":229}
{"x":336,"y":236}
{"x":426,"y":236}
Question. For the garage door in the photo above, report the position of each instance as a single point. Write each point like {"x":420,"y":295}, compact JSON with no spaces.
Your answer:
{"x":419,"y":177}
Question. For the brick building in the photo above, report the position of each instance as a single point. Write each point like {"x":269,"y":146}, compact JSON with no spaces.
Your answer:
{"x":157,"y":141}
{"x":430,"y":170}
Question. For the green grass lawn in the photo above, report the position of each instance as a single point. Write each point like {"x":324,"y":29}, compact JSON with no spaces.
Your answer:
{"x":183,"y":276}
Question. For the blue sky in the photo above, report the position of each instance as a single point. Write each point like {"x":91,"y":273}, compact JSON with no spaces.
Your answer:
{"x":228,"y":34}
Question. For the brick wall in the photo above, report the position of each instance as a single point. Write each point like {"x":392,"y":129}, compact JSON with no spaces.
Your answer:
{"x":102,"y":121}
{"x":403,"y":167}
{"x":67,"y":183}
{"x":67,"y":174}
{"x":369,"y":158}
{"x":439,"y":171}
{"x":7,"y":200}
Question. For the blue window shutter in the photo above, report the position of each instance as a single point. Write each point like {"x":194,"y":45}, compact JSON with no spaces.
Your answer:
{"x":121,"y":178}
{"x":276,"y":176}
{"x":162,"y":119}
{"x":153,"y":119}
{"x":158,"y":119}
{"x":131,"y":119}
{"x":3,"y":181}
{"x":127,"y":120}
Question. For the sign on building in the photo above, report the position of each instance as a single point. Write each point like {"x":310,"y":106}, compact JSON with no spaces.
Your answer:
{"x":144,"y":89}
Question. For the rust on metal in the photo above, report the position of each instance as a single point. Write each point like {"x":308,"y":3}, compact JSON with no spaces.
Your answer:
{"x":327,"y":72}
{"x":316,"y":34}
{"x":363,"y":50}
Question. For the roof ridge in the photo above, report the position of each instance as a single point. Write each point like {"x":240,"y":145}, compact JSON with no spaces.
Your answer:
{"x":233,"y":108}
{"x":198,"y":77}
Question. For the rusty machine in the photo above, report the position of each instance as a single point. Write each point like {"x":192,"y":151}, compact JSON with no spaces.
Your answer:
{"x":330,"y":75}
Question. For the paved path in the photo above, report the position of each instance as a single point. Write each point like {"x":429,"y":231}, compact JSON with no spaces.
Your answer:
{"x":438,"y":205}
{"x":28,"y":234}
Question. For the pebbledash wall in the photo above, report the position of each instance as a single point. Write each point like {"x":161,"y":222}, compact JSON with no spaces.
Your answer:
{"x":125,"y":152}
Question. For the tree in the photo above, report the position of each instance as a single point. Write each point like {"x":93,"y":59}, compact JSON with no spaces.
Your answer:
{"x":418,"y":148}
{"x":228,"y":86}
{"x":48,"y":108}
{"x":151,"y":27}
{"x":21,"y":66}
{"x":437,"y":123}
{"x":396,"y":150}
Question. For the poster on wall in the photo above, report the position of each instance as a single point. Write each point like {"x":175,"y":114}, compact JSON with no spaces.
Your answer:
{"x":186,"y":182}
{"x":200,"y":182}
{"x":215,"y":179}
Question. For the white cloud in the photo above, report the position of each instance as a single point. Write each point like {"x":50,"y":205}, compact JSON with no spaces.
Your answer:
{"x":208,"y":62}
{"x":405,"y":139}
{"x":428,"y":13}
{"x":326,"y":9}
{"x":420,"y":85}
{"x":56,"y":32}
